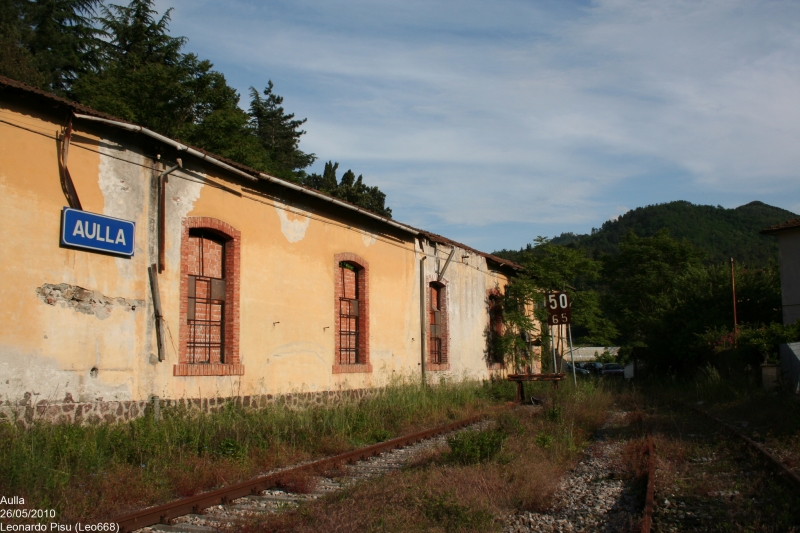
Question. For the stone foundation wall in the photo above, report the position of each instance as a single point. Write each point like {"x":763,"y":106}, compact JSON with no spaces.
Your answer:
{"x":25,"y":413}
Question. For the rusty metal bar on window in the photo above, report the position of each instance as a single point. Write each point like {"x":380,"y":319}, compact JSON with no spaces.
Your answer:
{"x":349,"y":316}
{"x":435,"y":350}
{"x":205,"y":312}
{"x":348,"y":331}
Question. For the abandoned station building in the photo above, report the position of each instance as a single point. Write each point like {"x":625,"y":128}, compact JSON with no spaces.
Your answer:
{"x":134,"y":266}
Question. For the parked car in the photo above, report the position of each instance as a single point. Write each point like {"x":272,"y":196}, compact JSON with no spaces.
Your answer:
{"x":593,"y":367}
{"x":578,"y":370}
{"x":613,"y":369}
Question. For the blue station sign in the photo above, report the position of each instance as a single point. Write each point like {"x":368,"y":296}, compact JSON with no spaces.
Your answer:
{"x":90,"y":231}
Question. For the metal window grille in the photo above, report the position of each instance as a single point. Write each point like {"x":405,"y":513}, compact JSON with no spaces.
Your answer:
{"x":348,"y":316}
{"x":206,"y":306}
{"x":436,"y":327}
{"x":497,"y":326}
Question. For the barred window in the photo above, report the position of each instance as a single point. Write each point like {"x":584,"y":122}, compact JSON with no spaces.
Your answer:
{"x":349,"y":334}
{"x":205,"y":311}
{"x":436,"y":352}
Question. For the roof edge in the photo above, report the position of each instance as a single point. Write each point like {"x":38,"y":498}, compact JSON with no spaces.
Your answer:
{"x":87,"y":113}
{"x":782,"y":227}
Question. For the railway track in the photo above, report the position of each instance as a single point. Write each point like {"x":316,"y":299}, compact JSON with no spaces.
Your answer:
{"x":782,"y":467}
{"x":711,"y":477}
{"x":649,"y":501}
{"x":224,"y":507}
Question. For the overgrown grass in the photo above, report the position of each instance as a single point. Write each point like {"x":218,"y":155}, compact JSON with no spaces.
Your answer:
{"x":102,"y":470}
{"x":470,"y":484}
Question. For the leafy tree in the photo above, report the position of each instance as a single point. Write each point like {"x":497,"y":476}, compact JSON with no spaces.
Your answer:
{"x":667,"y":303}
{"x":350,"y":189}
{"x":145,"y":78}
{"x":552,"y":267}
{"x":644,"y":281}
{"x":139,"y":72}
{"x":549,"y":266}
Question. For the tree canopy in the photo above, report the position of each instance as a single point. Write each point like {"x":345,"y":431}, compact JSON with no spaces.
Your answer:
{"x":660,"y":300}
{"x":350,"y":189}
{"x":121,"y":59}
{"x":718,"y":232}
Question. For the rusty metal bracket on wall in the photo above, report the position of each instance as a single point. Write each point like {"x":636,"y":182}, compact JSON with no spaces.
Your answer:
{"x":446,"y":264}
{"x":66,"y":180}
{"x":157,"y":312}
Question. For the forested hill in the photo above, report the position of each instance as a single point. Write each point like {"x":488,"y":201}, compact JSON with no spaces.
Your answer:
{"x":719,"y":232}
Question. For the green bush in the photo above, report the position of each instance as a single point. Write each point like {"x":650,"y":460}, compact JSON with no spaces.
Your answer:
{"x":472,"y":447}
{"x":444,"y":510}
{"x":544,"y":440}
{"x":553,"y":414}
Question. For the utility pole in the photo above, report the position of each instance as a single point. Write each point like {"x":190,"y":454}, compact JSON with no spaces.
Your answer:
{"x":733,"y":289}
{"x":572,"y":355}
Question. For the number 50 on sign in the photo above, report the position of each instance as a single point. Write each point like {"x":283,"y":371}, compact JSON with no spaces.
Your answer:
{"x":559,"y":308}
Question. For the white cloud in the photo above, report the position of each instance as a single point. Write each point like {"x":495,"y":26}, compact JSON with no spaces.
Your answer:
{"x":520,"y":113}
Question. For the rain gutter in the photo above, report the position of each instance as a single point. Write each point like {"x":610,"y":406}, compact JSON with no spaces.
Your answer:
{"x":205,"y":157}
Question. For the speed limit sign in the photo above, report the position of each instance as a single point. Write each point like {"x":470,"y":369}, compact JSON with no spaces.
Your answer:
{"x":559,"y":308}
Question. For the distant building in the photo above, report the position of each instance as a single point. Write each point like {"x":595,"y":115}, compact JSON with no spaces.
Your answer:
{"x":788,"y":234}
{"x":127,"y":275}
{"x":592,"y":353}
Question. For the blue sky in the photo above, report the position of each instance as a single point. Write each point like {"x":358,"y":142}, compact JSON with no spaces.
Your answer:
{"x":494,"y":122}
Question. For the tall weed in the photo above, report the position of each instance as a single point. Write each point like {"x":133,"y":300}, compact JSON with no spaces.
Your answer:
{"x":79,"y":469}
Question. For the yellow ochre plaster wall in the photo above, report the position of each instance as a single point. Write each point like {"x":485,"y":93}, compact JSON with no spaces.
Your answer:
{"x":101,"y":346}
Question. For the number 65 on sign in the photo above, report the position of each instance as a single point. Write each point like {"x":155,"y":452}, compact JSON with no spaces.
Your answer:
{"x":559,"y":308}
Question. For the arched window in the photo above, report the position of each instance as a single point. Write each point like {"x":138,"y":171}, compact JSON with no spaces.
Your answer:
{"x":437,"y":327}
{"x":209,"y":334}
{"x":348,"y":315}
{"x":496,"y":329}
{"x":351,"y":316}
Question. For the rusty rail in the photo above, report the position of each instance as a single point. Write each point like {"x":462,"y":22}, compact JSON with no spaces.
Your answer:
{"x":194,"y":504}
{"x":788,"y":472}
{"x":647,"y":520}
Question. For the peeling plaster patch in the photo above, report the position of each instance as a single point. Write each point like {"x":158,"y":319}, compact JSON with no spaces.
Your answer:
{"x":123,"y":178}
{"x":181,"y":194}
{"x":84,"y":301}
{"x":368,"y":238}
{"x":294,"y":229}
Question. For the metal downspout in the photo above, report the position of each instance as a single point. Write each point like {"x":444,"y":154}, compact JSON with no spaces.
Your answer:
{"x":422,"y":317}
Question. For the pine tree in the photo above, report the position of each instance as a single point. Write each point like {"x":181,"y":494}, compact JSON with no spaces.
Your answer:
{"x":279,"y":133}
{"x":349,"y":189}
{"x":144,"y":77}
{"x":48,"y":43}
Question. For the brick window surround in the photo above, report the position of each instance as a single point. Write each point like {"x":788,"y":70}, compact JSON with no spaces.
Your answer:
{"x":362,"y":277}
{"x":496,"y":324}
{"x":445,"y":325}
{"x":232,"y":260}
